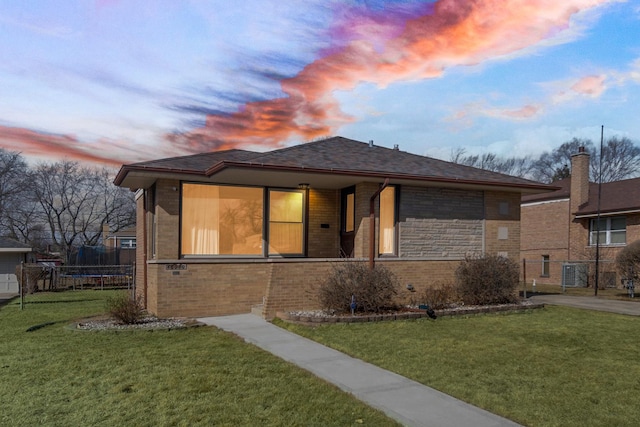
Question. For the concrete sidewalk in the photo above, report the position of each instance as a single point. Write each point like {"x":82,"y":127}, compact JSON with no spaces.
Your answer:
{"x":630,"y":308}
{"x":404,"y":400}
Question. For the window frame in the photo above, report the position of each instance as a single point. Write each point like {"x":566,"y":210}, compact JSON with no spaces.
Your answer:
{"x":268,"y":221}
{"x":265,"y":200}
{"x":394,"y":240}
{"x":607,"y":231}
{"x":127,"y":243}
{"x":545,"y":267}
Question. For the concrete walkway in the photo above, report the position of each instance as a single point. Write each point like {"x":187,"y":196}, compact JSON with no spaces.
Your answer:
{"x":404,"y":400}
{"x":631,"y":308}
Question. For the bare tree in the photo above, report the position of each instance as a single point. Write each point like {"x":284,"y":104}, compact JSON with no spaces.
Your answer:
{"x":75,"y":202}
{"x":13,"y":187}
{"x":516,"y":166}
{"x":620,"y":160}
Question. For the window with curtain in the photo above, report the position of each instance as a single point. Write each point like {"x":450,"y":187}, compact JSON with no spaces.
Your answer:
{"x":387,"y":237}
{"x":613,"y":231}
{"x":221,"y":220}
{"x":286,"y":227}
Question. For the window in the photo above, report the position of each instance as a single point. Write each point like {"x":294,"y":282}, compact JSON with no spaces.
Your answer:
{"x":128,"y":243}
{"x":286,"y":228}
{"x":150,"y":202}
{"x":233,"y":220}
{"x":613,"y":231}
{"x":545,"y":266}
{"x":221,"y":220}
{"x":387,"y":239}
{"x":350,"y":213}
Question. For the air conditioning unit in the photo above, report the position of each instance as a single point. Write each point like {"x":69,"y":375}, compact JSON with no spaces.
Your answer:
{"x":575,"y":275}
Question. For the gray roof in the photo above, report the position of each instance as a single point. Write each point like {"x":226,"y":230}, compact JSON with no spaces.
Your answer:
{"x":11,"y":245}
{"x":337,"y":156}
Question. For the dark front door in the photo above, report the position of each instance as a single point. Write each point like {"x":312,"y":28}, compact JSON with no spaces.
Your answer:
{"x":347,"y":222}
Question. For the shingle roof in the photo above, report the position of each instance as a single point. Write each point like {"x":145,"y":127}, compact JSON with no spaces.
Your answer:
{"x":563,"y":192}
{"x":8,"y":243}
{"x":617,"y":196}
{"x":336,"y":155}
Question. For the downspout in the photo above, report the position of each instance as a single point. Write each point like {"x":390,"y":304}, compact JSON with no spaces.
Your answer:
{"x":372,"y":224}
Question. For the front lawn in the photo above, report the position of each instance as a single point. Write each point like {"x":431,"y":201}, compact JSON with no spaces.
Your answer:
{"x":198,"y":376}
{"x":555,"y":366}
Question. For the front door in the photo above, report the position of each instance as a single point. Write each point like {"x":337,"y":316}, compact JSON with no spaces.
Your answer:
{"x":347,"y":222}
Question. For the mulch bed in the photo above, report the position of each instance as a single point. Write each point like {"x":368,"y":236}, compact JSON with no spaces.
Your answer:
{"x":319,"y":317}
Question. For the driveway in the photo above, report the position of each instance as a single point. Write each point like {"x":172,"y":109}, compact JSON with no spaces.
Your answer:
{"x":630,"y":308}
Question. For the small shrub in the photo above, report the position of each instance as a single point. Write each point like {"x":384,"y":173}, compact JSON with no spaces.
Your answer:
{"x":374,"y":290}
{"x":489,"y":279}
{"x":628,"y":261}
{"x":439,"y":296}
{"x":125,"y":308}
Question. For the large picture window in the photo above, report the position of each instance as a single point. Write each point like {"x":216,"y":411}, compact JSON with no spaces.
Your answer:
{"x":613,"y":231}
{"x":387,"y":238}
{"x":286,"y":228}
{"x":222,"y":220}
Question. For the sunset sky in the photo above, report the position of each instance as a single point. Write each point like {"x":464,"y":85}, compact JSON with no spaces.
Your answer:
{"x":121,"y":81}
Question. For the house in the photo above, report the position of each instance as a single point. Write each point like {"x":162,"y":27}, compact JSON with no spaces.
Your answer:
{"x":12,"y":253}
{"x":121,"y":244}
{"x":560,"y":229}
{"x":223,"y":231}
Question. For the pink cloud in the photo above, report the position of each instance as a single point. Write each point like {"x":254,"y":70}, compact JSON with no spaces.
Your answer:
{"x":452,"y":33}
{"x":381,"y":49}
{"x":592,"y":86}
{"x":56,"y":147}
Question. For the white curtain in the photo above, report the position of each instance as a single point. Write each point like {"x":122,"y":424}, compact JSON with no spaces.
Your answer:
{"x":200,"y":219}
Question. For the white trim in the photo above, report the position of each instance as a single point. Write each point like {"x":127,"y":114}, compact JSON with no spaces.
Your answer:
{"x":14,"y":250}
{"x":617,"y":213}
{"x":543,"y":202}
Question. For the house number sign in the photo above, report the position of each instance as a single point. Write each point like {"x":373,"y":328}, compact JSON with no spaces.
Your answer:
{"x":175,"y":267}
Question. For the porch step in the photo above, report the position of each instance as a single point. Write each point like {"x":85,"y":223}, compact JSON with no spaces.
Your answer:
{"x":257,"y":310}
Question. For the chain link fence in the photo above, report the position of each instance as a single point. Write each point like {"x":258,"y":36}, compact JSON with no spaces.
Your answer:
{"x":38,"y":277}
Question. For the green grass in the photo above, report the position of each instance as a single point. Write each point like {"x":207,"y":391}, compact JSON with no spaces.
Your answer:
{"x":199,"y":376}
{"x":551,"y":367}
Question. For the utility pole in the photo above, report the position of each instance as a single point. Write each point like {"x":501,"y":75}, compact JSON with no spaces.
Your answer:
{"x":598,"y":216}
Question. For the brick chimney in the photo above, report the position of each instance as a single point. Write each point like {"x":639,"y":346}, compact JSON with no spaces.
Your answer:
{"x":579,"y":179}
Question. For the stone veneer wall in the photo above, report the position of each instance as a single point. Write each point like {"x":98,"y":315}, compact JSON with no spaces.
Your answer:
{"x":440,"y":223}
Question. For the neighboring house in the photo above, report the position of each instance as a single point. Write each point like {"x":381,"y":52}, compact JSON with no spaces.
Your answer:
{"x":223,"y":231}
{"x":121,"y":243}
{"x":12,"y":253}
{"x":559,"y":228}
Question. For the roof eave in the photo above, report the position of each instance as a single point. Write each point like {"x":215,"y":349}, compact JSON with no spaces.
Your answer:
{"x":122,"y":175}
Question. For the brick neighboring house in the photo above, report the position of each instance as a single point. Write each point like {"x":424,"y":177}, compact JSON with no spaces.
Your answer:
{"x":559,"y":227}
{"x":221,"y":232}
{"x":121,"y":243}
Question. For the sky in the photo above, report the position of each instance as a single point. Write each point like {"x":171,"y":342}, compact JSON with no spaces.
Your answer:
{"x":113,"y":82}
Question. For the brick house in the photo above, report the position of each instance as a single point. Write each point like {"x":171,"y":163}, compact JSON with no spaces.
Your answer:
{"x":121,"y":243}
{"x":560,"y":228}
{"x":221,"y":232}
